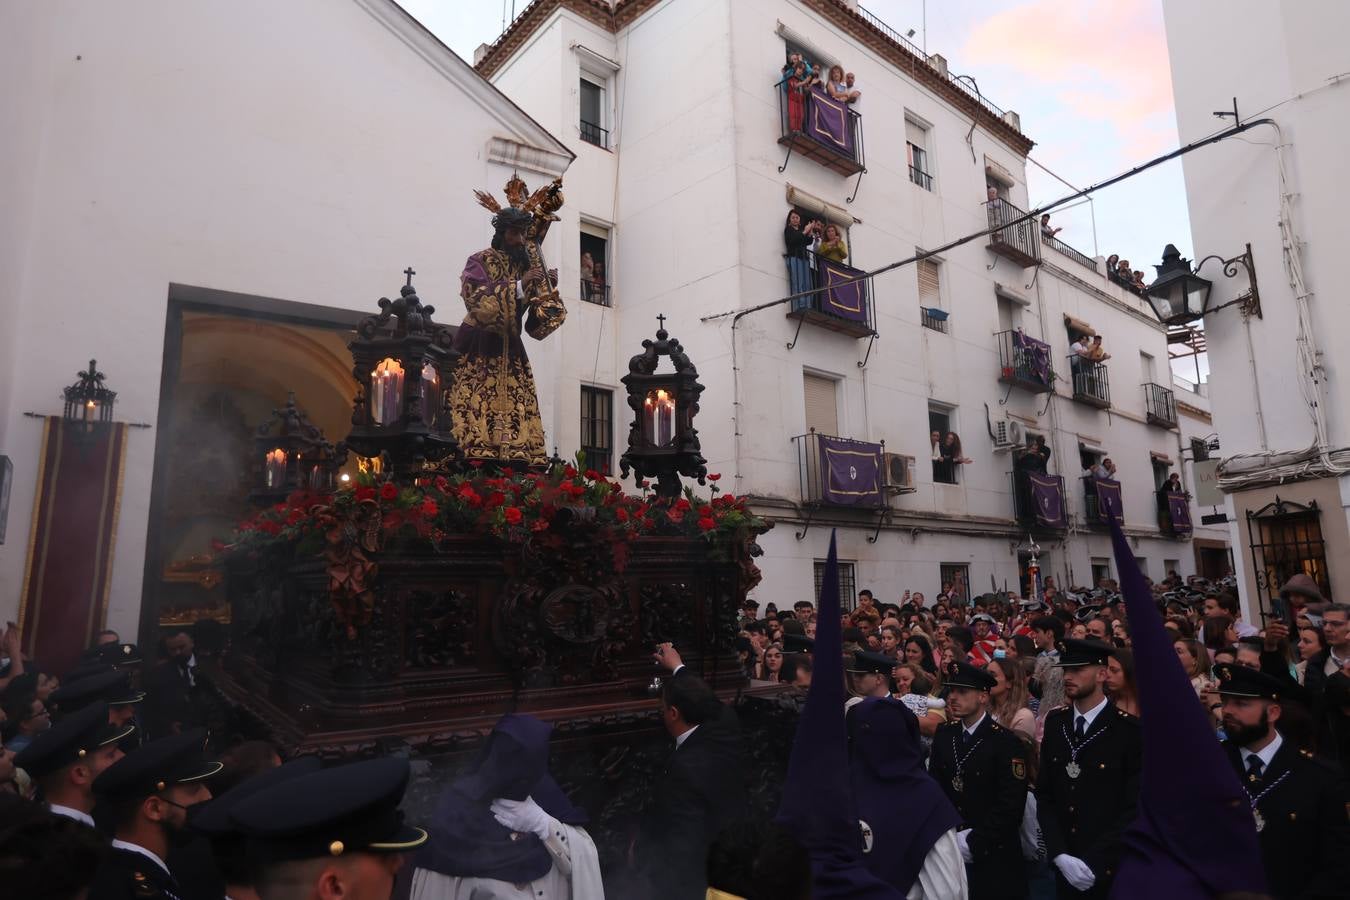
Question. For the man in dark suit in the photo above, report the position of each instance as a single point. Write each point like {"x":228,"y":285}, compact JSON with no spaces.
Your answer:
{"x":1088,"y":788}
{"x":1300,"y":803}
{"x":982,"y":768}
{"x":701,"y":790}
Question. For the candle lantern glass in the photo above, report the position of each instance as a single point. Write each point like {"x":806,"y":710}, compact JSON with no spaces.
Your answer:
{"x":431,"y":394}
{"x":89,"y":405}
{"x":386,"y":392}
{"x":658,"y":419}
{"x":662,"y":441}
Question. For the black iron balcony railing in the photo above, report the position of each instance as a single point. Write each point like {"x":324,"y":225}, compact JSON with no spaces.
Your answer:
{"x":841,"y":304}
{"x":592,"y":133}
{"x":1016,"y":237}
{"x":815,"y":125}
{"x":1039,"y":500}
{"x":836,"y":471}
{"x":931,"y":317}
{"x":1160,"y":405}
{"x":921,"y":178}
{"x":1090,"y":382}
{"x":595,"y":292}
{"x":1081,"y":258}
{"x":1024,"y":362}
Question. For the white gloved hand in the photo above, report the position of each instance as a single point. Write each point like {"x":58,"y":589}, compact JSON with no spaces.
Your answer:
{"x":1075,"y":871}
{"x":963,"y":841}
{"x":522,"y":816}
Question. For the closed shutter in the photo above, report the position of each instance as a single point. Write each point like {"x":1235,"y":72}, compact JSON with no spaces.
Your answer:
{"x":822,"y":410}
{"x":916,"y":134}
{"x":928,"y":284}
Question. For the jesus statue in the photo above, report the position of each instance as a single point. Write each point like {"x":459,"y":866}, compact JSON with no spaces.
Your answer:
{"x":506,"y":290}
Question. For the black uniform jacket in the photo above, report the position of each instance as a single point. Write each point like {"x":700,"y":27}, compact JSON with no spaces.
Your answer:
{"x":993,"y":773}
{"x":1305,"y":808}
{"x":127,"y":875}
{"x":1086,"y":816}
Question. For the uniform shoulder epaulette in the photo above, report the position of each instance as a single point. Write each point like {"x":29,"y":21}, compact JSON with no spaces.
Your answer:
{"x":1127,"y":716}
{"x":1306,"y":753}
{"x":143,"y":887}
{"x":1057,"y":710}
{"x":996,"y":726}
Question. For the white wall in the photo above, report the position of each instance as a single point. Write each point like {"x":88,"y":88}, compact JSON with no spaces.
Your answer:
{"x":299,"y":151}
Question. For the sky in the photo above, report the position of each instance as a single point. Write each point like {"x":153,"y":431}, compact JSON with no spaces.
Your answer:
{"x":1089,"y":78}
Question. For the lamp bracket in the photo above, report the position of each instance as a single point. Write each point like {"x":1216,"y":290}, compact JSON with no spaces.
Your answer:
{"x":1250,"y":302}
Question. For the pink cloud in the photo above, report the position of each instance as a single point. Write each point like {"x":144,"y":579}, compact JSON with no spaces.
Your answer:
{"x":1105,"y":60}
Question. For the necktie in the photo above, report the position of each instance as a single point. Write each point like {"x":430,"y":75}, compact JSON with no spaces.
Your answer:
{"x":1255,"y":766}
{"x":1079,"y":726}
{"x":965,"y":738}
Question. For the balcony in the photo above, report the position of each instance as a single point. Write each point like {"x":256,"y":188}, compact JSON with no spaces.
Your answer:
{"x":592,"y":133}
{"x":821,"y":128}
{"x":840,"y":472}
{"x":1039,"y":501}
{"x":1090,"y":383}
{"x":1160,"y":405}
{"x":596,"y":292}
{"x":921,"y":178}
{"x":1102,"y":502}
{"x":1024,"y":362}
{"x":842,"y":304}
{"x":1016,"y":236}
{"x":934,"y":319}
{"x":1174,"y":513}
{"x":1082,"y":259}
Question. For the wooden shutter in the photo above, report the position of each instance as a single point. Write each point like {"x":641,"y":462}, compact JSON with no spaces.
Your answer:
{"x":928,"y":284}
{"x":822,"y":409}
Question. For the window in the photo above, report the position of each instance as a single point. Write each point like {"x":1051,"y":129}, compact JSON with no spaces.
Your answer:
{"x":597,"y":428}
{"x":958,"y":576}
{"x":1199,"y":449}
{"x":940,"y":421}
{"x":848,"y":581}
{"x":592,"y":93}
{"x":1286,"y":540}
{"x":1009,"y":314}
{"x":1171,"y":567}
{"x":1089,"y":457}
{"x":1101,"y":570}
{"x":1160,"y":472}
{"x":930,"y":295}
{"x":822,"y":403}
{"x":595,"y":279}
{"x":916,"y":146}
{"x":1147,"y":368}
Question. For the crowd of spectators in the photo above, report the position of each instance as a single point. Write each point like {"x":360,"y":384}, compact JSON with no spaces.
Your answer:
{"x":1119,"y":271}
{"x":799,"y":76}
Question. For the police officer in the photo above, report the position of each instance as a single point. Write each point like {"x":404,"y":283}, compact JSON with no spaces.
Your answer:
{"x":1091,"y":756}
{"x":870,"y":674}
{"x":982,"y":768}
{"x":1300,"y":803}
{"x":65,"y":759}
{"x":109,"y":686}
{"x":144,"y":798}
{"x":335,"y":833}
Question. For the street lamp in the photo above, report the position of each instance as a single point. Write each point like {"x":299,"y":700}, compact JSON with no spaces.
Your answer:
{"x":662,"y":440}
{"x":1180,"y":296}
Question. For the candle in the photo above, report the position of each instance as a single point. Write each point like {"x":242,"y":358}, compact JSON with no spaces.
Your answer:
{"x":659,"y":418}
{"x":386,"y":392}
{"x":431,"y":393}
{"x":275,"y":468}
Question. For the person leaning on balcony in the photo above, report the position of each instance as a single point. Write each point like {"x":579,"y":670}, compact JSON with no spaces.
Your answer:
{"x":832,"y":245}
{"x":799,"y":82}
{"x":587,"y":275}
{"x":797,"y":240}
{"x":993,"y":201}
{"x":1097,"y":353}
{"x":1046,"y":230}
{"x":854,"y":92}
{"x":1035,"y":457}
{"x":1112,"y":262}
{"x":838,"y":88}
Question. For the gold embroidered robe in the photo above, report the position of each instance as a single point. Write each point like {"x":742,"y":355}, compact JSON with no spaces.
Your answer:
{"x":493,"y":402}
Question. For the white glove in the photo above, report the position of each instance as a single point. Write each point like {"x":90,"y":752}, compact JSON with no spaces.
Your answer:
{"x":1075,"y":871}
{"x":522,"y":816}
{"x":963,"y":841}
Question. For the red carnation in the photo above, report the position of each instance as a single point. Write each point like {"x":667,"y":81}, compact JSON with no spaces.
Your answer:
{"x":706,"y":524}
{"x":429,"y":508}
{"x":592,"y":475}
{"x":682,"y":504}
{"x":539,"y":525}
{"x":716,"y":476}
{"x":441,"y":484}
{"x":569,"y":471}
{"x":512,"y":515}
{"x":621,"y":514}
{"x":365,"y":493}
{"x":675,"y":515}
{"x":388,"y":491}
{"x":496,"y":499}
{"x":476,"y":463}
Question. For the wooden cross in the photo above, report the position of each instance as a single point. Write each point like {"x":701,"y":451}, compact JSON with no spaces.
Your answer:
{"x":661,"y":322}
{"x":410,"y":273}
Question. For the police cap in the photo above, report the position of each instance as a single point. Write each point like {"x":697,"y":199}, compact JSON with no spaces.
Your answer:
{"x":1082,"y":653}
{"x":1241,"y":681}
{"x":964,"y":675}
{"x":153,"y":767}
{"x":866,"y":662}
{"x":70,"y":740}
{"x":110,"y":687}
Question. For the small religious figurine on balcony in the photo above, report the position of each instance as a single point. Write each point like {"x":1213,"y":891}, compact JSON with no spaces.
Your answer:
{"x":507,"y":290}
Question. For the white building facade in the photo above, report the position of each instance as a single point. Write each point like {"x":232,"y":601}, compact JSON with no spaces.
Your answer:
{"x":206,"y":197}
{"x":683,"y":172}
{"x":1283,"y":409}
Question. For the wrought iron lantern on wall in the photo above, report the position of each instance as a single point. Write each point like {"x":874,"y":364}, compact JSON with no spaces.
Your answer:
{"x":403,"y":365}
{"x":291,"y":454}
{"x":1179,"y":295}
{"x":662,"y":441}
{"x":89,"y":404}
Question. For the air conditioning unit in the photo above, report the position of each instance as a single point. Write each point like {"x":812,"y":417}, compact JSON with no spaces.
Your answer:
{"x":1008,"y":433}
{"x":897,"y":473}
